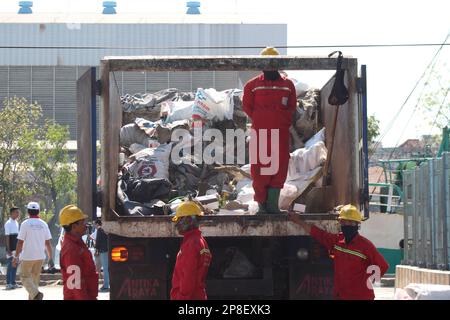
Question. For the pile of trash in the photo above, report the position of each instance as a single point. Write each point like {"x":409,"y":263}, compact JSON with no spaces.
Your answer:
{"x":423,"y":291}
{"x":152,"y":182}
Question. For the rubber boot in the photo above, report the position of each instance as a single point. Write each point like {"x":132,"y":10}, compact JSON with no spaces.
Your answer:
{"x":262,"y":209}
{"x":273,"y":196}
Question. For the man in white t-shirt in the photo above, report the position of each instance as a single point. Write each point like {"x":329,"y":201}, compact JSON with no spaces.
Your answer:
{"x":11,"y":233}
{"x":33,"y":240}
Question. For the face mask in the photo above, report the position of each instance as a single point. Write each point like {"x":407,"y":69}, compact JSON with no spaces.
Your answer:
{"x":271,"y":75}
{"x":185,"y":224}
{"x":349,"y":232}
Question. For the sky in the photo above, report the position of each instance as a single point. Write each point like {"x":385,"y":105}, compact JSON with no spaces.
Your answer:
{"x":392,"y":71}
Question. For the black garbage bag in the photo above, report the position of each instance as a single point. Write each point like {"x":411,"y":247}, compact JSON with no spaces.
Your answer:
{"x":146,"y":190}
{"x":339,"y":93}
{"x":130,"y":207}
{"x":124,"y":205}
{"x":134,"y":208}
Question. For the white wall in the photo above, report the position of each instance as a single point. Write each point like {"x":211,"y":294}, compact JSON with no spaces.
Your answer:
{"x":384,"y":230}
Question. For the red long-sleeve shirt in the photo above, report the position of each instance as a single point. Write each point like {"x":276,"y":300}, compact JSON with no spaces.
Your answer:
{"x":78,"y":270}
{"x":351,"y":264}
{"x":269,"y":103}
{"x":191,"y":268}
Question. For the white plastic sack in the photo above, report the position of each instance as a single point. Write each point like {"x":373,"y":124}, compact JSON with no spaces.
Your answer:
{"x":401,"y":294}
{"x":287,"y":195}
{"x":300,"y":87}
{"x":294,"y":188}
{"x":177,"y":110}
{"x":319,"y":136}
{"x":131,"y":133}
{"x":246,"y":192}
{"x":210,"y":104}
{"x":291,"y":190}
{"x":242,"y":183}
{"x":151,"y":162}
{"x":145,"y":125}
{"x":162,"y":152}
{"x":136,"y":147}
{"x":306,"y":159}
{"x":246,"y":168}
{"x":423,"y":291}
{"x":252,"y":207}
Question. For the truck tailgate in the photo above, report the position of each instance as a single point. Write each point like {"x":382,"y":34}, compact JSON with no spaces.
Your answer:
{"x":218,"y":225}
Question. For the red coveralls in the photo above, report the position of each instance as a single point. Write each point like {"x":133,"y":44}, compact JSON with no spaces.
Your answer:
{"x":191,"y":268}
{"x":350,"y":264}
{"x":74,"y":252}
{"x":270,"y":105}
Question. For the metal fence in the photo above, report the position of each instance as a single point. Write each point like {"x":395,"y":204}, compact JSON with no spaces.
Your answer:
{"x":385,"y":197}
{"x":427,"y":214}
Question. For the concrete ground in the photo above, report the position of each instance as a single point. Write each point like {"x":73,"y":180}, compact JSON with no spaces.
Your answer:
{"x":54,"y":292}
{"x":384,"y":293}
{"x":51,"y":292}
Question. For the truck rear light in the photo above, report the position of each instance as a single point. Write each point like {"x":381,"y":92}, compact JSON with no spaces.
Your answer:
{"x":119,"y":254}
{"x":136,"y":254}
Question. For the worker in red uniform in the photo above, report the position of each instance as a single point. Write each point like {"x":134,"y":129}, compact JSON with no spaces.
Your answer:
{"x":79,"y":276}
{"x":270,"y":101}
{"x":356,"y":260}
{"x":194,"y":257}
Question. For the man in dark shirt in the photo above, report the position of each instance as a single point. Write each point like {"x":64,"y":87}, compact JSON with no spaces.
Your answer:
{"x":11,"y":232}
{"x":101,"y":249}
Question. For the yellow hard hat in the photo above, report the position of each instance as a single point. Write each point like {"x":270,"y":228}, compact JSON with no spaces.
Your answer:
{"x":269,"y":51}
{"x":350,"y":212}
{"x":187,"y":208}
{"x":70,"y":214}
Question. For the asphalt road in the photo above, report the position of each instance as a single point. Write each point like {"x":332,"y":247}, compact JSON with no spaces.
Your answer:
{"x":54,"y":292}
{"x":51,"y":292}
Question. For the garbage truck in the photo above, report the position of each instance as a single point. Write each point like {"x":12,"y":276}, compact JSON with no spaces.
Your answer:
{"x":255,"y":256}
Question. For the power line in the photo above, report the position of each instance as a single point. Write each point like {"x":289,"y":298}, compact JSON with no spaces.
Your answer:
{"x":440,"y":108}
{"x":228,"y":47}
{"x":431,"y":64}
{"x":416,"y":107}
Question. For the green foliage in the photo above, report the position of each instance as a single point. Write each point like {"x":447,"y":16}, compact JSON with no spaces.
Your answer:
{"x":373,"y":131}
{"x":46,"y":216}
{"x":54,"y":173}
{"x":435,"y":103}
{"x":34,"y":162}
{"x":18,"y":128}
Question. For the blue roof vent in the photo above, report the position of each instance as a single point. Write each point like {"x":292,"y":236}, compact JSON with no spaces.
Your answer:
{"x":109,"y":7}
{"x":193,"y":7}
{"x":25,"y":7}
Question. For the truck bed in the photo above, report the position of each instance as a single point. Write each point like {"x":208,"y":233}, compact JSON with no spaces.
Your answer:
{"x":219,"y":225}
